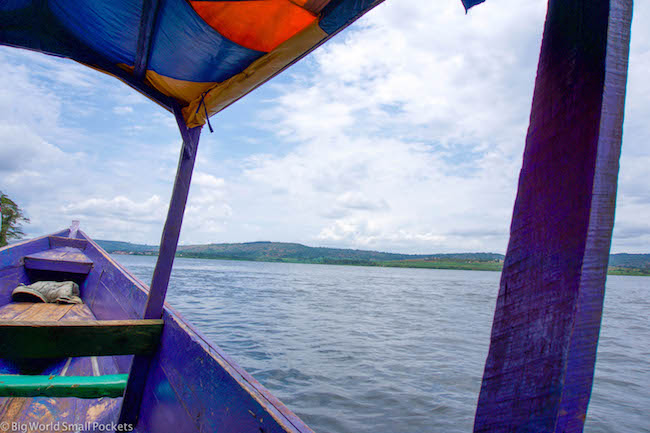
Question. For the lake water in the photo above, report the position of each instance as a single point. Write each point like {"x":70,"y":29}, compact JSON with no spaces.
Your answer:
{"x":363,"y":349}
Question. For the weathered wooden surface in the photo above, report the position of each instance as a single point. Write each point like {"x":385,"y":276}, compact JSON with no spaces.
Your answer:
{"x":12,"y":271}
{"x":191,"y":387}
{"x":539,"y":370}
{"x":21,"y":339}
{"x":45,"y":410}
{"x":62,"y":259}
{"x":62,"y":386}
{"x":162,"y":271}
{"x":74,"y":229}
{"x":60,"y":241}
{"x":189,"y":369}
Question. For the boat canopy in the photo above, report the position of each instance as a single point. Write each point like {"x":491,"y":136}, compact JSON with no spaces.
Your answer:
{"x":201,"y":55}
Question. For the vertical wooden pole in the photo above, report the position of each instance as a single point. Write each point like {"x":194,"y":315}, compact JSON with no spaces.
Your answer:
{"x":539,"y":370}
{"x":74,"y":228}
{"x":168,"y":243}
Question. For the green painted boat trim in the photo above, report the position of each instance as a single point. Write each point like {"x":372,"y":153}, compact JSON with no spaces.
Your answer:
{"x":63,"y":339}
{"x":111,"y":385}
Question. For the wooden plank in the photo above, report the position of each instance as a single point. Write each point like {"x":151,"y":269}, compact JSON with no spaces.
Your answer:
{"x":10,"y":278}
{"x":12,"y":255}
{"x":44,"y":312}
{"x":539,"y":370}
{"x":187,"y":394}
{"x":46,"y":339}
{"x":74,"y":228}
{"x":42,"y":410}
{"x":63,"y":259}
{"x":58,"y":266}
{"x":9,"y":311}
{"x":29,"y":311}
{"x":60,"y":241}
{"x":62,"y":386}
{"x":186,"y":364}
{"x":128,"y":293}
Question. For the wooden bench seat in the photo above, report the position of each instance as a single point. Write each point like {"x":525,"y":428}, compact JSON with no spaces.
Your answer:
{"x":61,"y":259}
{"x":45,"y":409}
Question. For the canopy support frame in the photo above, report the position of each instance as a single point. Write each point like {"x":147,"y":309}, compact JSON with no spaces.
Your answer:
{"x":162,"y":272}
{"x":540,"y":366}
{"x":148,"y":21}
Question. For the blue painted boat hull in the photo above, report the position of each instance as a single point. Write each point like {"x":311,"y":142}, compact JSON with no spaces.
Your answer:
{"x":192,"y":386}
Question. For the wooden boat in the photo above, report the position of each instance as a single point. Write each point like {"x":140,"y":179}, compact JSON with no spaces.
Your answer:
{"x":78,"y":356}
{"x":136,"y":362}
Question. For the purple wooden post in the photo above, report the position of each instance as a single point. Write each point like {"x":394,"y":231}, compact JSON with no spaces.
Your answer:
{"x":162,"y":272}
{"x":74,"y":228}
{"x":539,"y":370}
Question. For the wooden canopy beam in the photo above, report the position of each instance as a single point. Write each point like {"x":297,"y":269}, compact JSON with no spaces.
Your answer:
{"x":148,"y":20}
{"x":162,"y":271}
{"x":539,"y":370}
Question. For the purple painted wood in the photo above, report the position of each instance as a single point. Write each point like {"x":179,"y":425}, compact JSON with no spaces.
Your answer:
{"x":194,"y":370}
{"x":10,"y":278}
{"x":59,"y":241}
{"x":12,"y":255}
{"x":63,"y":259}
{"x":44,"y":410}
{"x":172,"y":229}
{"x":180,"y":343}
{"x":116,"y":294}
{"x":163,"y":269}
{"x":12,"y":271}
{"x":539,"y":370}
{"x":191,"y":385}
{"x":74,"y":228}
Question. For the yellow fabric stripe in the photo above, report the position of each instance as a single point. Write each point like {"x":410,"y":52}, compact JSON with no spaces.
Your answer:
{"x":222,"y":94}
{"x":181,"y":90}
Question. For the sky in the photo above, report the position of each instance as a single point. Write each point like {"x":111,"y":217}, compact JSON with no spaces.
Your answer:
{"x":404,"y":133}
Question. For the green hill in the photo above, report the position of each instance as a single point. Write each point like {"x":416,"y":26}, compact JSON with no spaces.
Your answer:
{"x":620,"y":264}
{"x":126,"y":247}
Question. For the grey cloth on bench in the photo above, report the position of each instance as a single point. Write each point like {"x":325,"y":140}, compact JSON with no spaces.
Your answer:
{"x":65,"y":292}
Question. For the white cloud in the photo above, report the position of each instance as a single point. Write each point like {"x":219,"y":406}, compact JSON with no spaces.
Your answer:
{"x":404,"y":133}
{"x":123,"y":109}
{"x":407,"y":132}
{"x":119,"y":207}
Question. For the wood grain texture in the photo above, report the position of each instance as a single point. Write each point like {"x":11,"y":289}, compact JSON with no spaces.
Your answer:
{"x":74,"y":229}
{"x":45,"y":410}
{"x":61,"y":259}
{"x":60,"y":241}
{"x":21,"y":339}
{"x":168,"y":244}
{"x":10,"y":278}
{"x":180,"y":392}
{"x":539,"y":370}
{"x":184,"y":389}
{"x":218,"y":395}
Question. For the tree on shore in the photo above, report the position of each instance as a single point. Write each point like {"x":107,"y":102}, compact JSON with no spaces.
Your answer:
{"x":12,"y":219}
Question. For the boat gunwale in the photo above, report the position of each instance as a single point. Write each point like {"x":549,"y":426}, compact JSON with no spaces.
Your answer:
{"x":284,"y":416}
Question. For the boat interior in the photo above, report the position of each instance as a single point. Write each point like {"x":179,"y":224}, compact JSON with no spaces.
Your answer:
{"x":72,"y":362}
{"x":53,"y":258}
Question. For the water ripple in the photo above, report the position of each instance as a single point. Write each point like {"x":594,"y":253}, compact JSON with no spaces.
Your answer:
{"x":353,"y":349}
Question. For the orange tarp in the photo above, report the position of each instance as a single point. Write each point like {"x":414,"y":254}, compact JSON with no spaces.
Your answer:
{"x":259,"y":25}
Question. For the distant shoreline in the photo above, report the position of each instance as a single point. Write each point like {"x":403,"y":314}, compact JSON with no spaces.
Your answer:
{"x":491,"y":266}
